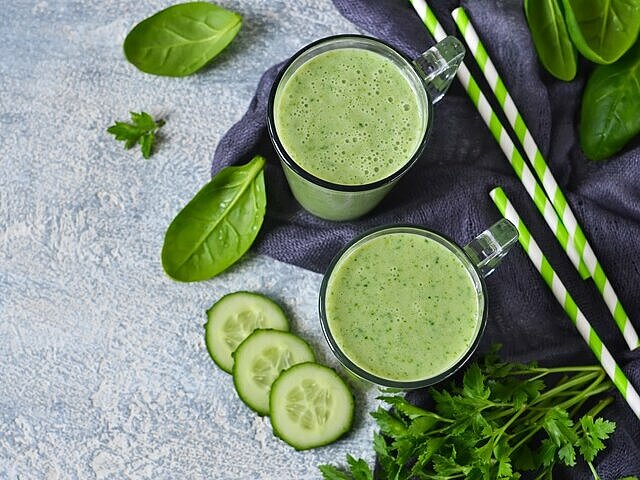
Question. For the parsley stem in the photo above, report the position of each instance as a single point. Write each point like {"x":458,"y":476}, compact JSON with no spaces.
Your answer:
{"x":534,"y":429}
{"x":579,"y":368}
{"x":498,"y":415}
{"x":593,"y":471}
{"x":577,"y":380}
{"x":543,"y":372}
{"x":535,"y":419}
{"x":545,"y":473}
{"x":577,"y":398}
{"x":605,"y":402}
{"x":448,"y":477}
{"x":576,"y":408}
{"x":511,"y":420}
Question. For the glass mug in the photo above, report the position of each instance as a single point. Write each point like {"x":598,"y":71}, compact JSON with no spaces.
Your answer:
{"x":405,"y":307}
{"x":423,"y":82}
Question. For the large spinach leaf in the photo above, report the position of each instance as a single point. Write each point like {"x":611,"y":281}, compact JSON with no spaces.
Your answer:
{"x":603,"y":30}
{"x":218,"y":225}
{"x":610,"y":114}
{"x":551,"y":39}
{"x":181,"y":39}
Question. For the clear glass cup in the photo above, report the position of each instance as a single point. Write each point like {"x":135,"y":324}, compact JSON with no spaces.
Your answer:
{"x":429,"y":75}
{"x":480,"y":257}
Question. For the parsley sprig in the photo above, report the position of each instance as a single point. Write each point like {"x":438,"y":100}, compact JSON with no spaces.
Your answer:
{"x":502,"y":421}
{"x":142,"y":130}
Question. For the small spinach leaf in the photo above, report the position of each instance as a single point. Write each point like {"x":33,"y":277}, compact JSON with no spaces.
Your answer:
{"x":610,"y":104}
{"x":181,"y":39}
{"x":218,"y":225}
{"x":602,"y":30}
{"x":551,"y":39}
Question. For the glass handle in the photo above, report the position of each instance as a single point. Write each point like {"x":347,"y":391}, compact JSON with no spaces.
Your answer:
{"x":487,"y":249}
{"x":438,"y":65}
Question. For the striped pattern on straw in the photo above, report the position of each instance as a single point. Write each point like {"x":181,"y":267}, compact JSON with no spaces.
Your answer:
{"x":564,"y":298}
{"x":549,"y":183}
{"x":506,"y":144}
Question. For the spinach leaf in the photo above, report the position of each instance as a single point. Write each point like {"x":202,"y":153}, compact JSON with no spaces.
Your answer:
{"x":218,"y":225}
{"x":602,"y":30}
{"x":610,"y":115}
{"x":551,"y":39}
{"x":181,"y":39}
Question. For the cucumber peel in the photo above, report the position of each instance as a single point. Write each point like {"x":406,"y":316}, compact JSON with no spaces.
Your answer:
{"x":310,"y":406}
{"x":232,"y":319}
{"x":258,"y":361}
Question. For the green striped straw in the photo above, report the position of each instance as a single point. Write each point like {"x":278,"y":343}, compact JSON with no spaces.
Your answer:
{"x":551,"y":187}
{"x":531,"y":185}
{"x":506,"y":144}
{"x":564,"y":298}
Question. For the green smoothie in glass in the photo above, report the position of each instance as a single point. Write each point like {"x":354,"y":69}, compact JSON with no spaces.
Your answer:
{"x":349,"y":116}
{"x":402,"y":306}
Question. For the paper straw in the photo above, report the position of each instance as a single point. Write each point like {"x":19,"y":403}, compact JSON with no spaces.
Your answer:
{"x":585,"y":329}
{"x":506,"y":144}
{"x":551,"y":187}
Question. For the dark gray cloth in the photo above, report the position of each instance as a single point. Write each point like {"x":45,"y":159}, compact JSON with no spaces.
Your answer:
{"x":447,"y":190}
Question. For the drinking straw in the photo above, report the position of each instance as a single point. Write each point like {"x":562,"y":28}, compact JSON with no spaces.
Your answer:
{"x":551,"y":187}
{"x":529,"y":182}
{"x":502,"y":137}
{"x":552,"y":280}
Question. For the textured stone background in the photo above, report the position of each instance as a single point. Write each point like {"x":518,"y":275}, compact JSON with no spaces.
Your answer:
{"x":103,"y":369}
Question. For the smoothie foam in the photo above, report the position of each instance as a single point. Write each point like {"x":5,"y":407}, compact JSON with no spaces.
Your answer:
{"x":402,"y":306}
{"x":349,"y":116}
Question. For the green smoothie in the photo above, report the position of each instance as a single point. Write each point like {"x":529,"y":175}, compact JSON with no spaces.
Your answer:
{"x":349,"y":116}
{"x":402,"y":307}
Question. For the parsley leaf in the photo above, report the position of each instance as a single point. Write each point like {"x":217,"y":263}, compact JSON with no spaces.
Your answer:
{"x":504,"y":469}
{"x":593,"y":434}
{"x":567,"y":454}
{"x":389,"y":424}
{"x":329,"y":472}
{"x":473,"y":382}
{"x":517,"y":391}
{"x":383,"y":452}
{"x":359,"y":470}
{"x":142,"y":130}
{"x":559,"y":426}
{"x":403,"y":406}
{"x":547,"y":452}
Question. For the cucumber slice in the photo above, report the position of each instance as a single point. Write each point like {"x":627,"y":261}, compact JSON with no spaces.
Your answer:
{"x":259,"y":360}
{"x":233,"y":318}
{"x":310,"y":406}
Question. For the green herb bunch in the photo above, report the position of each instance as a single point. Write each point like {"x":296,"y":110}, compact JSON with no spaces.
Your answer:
{"x":502,"y":421}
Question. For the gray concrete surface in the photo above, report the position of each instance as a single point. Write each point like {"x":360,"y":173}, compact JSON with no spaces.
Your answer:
{"x":103,"y":369}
